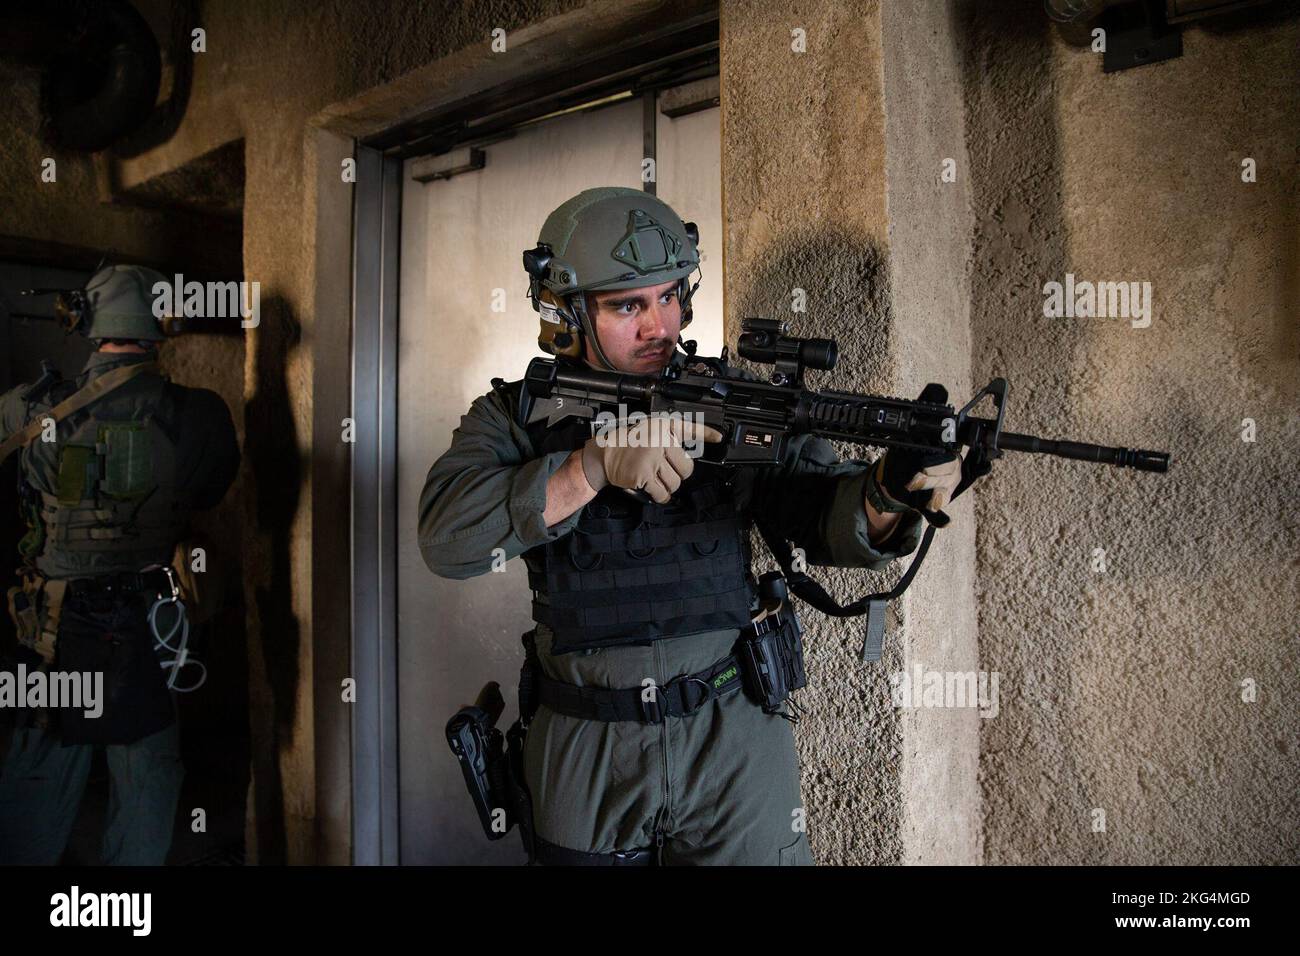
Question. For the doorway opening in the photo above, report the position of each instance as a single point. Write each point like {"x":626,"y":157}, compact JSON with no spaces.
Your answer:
{"x":444,"y":208}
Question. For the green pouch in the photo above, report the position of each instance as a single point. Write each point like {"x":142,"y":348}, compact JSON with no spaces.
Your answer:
{"x":128,"y":459}
{"x":24,"y":615}
{"x":77,"y":471}
{"x":33,"y":542}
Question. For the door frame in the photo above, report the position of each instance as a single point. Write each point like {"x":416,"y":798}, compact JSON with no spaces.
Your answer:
{"x":667,"y":56}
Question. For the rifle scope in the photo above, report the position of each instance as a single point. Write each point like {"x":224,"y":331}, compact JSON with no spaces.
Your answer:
{"x":764,"y":340}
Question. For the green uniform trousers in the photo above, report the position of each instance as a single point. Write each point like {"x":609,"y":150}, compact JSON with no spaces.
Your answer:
{"x":42,"y":783}
{"x":721,"y":785}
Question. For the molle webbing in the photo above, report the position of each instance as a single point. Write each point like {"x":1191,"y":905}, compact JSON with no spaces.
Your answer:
{"x":111,"y":527}
{"x":632,"y":572}
{"x":598,"y":620}
{"x":644,"y":538}
{"x":655,"y":575}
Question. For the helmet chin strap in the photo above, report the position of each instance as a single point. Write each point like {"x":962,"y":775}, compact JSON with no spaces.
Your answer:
{"x":589,"y":329}
{"x":578,"y":302}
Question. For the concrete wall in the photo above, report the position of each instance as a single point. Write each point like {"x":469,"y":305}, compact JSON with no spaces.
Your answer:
{"x":1122,"y":690}
{"x":70,"y":211}
{"x":830,"y":185}
{"x":929,"y":245}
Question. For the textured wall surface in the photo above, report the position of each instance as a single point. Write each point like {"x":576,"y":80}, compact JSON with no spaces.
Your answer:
{"x":821,"y":194}
{"x":68,"y":210}
{"x":929,"y":243}
{"x":1122,"y":690}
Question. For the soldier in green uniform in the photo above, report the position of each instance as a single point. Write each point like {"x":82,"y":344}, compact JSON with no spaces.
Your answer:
{"x":629,"y":594}
{"x":111,"y":466}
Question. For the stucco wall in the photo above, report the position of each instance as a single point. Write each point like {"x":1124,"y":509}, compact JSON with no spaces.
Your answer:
{"x":822,"y":194}
{"x":1122,"y":690}
{"x":929,"y":244}
{"x":68,"y":211}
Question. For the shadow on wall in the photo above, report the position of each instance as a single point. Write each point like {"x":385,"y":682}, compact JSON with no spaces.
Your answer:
{"x":845,"y":280}
{"x":1016,"y":187}
{"x":275,"y":466}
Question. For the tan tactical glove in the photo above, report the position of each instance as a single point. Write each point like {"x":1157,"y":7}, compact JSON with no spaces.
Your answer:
{"x":645,"y":455}
{"x":940,"y":480}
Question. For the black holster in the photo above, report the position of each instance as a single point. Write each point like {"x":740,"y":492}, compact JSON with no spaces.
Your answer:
{"x":492,"y":762}
{"x":770,"y":650}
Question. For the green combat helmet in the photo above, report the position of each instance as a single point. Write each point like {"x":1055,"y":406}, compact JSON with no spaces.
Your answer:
{"x":605,"y":239}
{"x":119,"y":303}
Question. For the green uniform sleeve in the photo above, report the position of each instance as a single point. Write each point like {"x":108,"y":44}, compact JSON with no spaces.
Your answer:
{"x":816,"y":501}
{"x":486,"y":492}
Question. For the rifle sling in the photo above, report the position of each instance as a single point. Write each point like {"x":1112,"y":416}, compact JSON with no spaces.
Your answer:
{"x":75,"y":402}
{"x":975,"y":465}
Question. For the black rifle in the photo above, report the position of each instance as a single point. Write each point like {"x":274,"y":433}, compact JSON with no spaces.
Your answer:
{"x":758,"y":419}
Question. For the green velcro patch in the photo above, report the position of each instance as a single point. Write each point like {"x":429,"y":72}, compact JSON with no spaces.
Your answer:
{"x":128,"y":459}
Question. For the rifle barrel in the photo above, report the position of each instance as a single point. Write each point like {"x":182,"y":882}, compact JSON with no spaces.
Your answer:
{"x":1137,"y":458}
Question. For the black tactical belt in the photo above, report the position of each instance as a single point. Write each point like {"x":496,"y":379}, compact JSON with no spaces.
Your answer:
{"x":549,"y":854}
{"x":123,"y":582}
{"x":680,"y":697}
